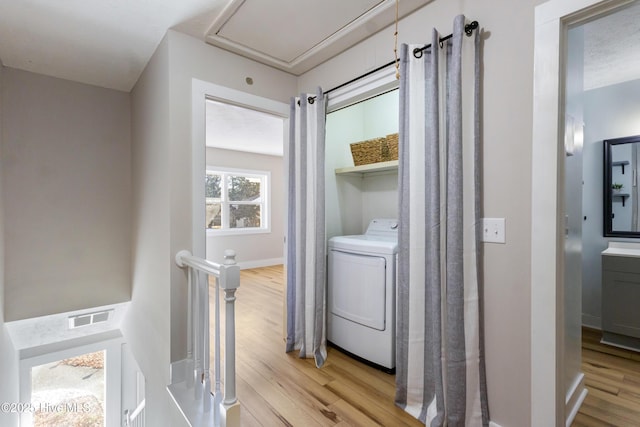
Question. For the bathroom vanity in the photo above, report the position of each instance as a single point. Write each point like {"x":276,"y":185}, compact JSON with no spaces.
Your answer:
{"x":621,"y":295}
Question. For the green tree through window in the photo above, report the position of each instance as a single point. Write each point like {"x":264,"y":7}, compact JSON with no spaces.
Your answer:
{"x":235,"y":200}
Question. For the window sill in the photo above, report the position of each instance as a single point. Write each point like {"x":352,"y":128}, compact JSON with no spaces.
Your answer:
{"x":244,"y":232}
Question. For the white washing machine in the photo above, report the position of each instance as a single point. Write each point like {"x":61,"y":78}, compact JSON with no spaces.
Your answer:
{"x":361,"y":294}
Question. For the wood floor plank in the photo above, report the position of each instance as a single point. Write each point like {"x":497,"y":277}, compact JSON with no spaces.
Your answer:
{"x":612,"y":377}
{"x":279,"y":389}
{"x":352,"y":416}
{"x":583,"y":420}
{"x":603,"y":384}
{"x":257,"y":407}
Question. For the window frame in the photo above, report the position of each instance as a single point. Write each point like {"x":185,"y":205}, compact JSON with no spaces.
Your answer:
{"x":265,"y":204}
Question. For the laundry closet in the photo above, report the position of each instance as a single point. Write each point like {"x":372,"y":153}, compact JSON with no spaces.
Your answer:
{"x":362,"y":229}
{"x":354,"y":197}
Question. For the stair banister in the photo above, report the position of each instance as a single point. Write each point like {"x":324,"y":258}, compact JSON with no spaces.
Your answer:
{"x":227,"y":277}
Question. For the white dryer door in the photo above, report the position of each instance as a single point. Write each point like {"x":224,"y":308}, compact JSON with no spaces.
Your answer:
{"x":357,"y":288}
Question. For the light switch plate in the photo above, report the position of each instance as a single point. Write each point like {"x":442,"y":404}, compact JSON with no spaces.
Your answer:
{"x":493,"y":230}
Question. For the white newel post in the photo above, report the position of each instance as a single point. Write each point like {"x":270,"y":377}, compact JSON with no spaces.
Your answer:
{"x":230,"y":280}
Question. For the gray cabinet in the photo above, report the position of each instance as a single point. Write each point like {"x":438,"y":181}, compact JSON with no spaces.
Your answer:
{"x":621,"y":300}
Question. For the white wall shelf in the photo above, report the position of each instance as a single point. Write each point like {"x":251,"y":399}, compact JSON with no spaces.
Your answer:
{"x":361,"y":170}
{"x":622,"y":163}
{"x":622,"y":195}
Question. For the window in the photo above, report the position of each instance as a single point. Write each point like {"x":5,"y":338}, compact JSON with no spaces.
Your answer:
{"x":79,"y":386}
{"x":236,"y":201}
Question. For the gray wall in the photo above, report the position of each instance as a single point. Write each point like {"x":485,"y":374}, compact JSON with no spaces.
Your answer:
{"x":147,"y":324}
{"x":572,"y":342}
{"x":258,"y":249}
{"x":189,"y":58}
{"x":609,"y":112}
{"x":155,"y":327}
{"x":507,"y":118}
{"x":66,"y":176}
{"x":8,"y":356}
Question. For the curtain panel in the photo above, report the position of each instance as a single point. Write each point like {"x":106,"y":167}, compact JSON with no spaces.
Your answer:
{"x":440,"y":358}
{"x":306,"y":246}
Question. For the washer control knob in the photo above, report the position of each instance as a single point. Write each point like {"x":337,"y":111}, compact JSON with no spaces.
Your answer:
{"x":394,"y":225}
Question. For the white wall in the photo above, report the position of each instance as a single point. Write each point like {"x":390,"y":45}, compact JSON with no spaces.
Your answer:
{"x":8,"y":355}
{"x":67,"y":199}
{"x":609,"y":112}
{"x":155,"y":328}
{"x":507,"y":119}
{"x":258,"y":249}
{"x":353,"y":201}
{"x":146,"y":327}
{"x":190,"y":58}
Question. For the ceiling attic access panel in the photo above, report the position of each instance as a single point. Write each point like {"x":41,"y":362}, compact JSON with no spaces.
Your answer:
{"x":274,"y":33}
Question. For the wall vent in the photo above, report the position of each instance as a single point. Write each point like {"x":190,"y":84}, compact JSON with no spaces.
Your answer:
{"x":89,"y":319}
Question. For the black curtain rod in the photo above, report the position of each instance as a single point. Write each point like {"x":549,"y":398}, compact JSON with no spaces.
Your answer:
{"x":417,"y":52}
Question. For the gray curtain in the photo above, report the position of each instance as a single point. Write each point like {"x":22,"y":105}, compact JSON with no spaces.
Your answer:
{"x":440,"y":358}
{"x":306,"y":251}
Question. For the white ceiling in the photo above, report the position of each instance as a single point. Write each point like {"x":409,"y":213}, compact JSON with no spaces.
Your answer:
{"x":104,"y":43}
{"x":241,"y":129}
{"x":612,"y":48}
{"x":297,"y":35}
{"x":108,"y":43}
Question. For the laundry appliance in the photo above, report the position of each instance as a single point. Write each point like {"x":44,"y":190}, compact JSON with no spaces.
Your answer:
{"x":361,"y":293}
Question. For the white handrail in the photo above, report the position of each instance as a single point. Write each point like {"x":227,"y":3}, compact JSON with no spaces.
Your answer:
{"x":227,"y":275}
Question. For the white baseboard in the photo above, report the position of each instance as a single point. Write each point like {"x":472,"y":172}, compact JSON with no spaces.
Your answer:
{"x":574,"y":399}
{"x":177,"y":371}
{"x":492,"y":424}
{"x":245,"y":265}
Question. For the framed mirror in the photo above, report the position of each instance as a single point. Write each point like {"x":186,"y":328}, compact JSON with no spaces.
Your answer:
{"x":621,"y":192}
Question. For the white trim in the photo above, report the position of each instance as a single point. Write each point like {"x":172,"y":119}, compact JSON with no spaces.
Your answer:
{"x":492,"y":424}
{"x":177,"y":371}
{"x":362,"y":89}
{"x":260,"y":263}
{"x":575,"y":397}
{"x":372,"y":21}
{"x":547,"y":312}
{"x":200,"y":91}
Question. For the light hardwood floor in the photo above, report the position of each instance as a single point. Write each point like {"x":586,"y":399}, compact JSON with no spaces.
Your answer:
{"x":612,"y":377}
{"x":275,"y":388}
{"x":279,"y":389}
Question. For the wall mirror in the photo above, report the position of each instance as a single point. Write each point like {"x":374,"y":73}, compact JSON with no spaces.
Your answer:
{"x":621,"y":194}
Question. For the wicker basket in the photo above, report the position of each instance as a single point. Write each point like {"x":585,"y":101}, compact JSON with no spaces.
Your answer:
{"x":392,"y":142}
{"x":375,"y":150}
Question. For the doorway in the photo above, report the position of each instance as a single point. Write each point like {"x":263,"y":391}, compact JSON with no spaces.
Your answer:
{"x":213,"y":104}
{"x":553,"y":404}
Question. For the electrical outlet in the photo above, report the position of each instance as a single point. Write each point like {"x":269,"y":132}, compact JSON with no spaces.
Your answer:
{"x":493,"y":230}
